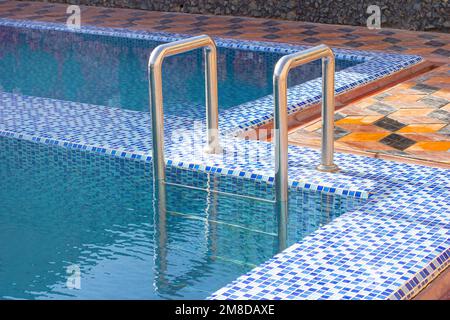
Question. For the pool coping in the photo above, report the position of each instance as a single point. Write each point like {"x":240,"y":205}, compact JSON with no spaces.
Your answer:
{"x":407,"y":290}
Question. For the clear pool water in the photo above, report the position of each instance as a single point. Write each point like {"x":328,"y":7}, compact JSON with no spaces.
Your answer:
{"x":63,"y":207}
{"x":112,"y":71}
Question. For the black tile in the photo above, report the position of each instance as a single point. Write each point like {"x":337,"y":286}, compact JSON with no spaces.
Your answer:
{"x":197,"y":24}
{"x":236,"y":20}
{"x":397,"y":141}
{"x":311,"y":40}
{"x":389,"y":124}
{"x":107,"y":11}
{"x":435,"y":43}
{"x":132,"y":19}
{"x":391,"y":40}
{"x":350,"y":36}
{"x":309,"y":26}
{"x":427,"y":36}
{"x":43,"y":11}
{"x":440,"y":115}
{"x":345,"y":30}
{"x":162,"y":27}
{"x":434,"y":102}
{"x":338,"y":132}
{"x":168,"y":15}
{"x":135,"y":14}
{"x":338,"y":116}
{"x":309,"y":32}
{"x":102,"y":16}
{"x":445,"y":130}
{"x":353,"y":44}
{"x":272,"y":29}
{"x":396,"y":48}
{"x":128,"y":25}
{"x":165,"y":21}
{"x":382,"y":108}
{"x":442,"y":52}
{"x":201,"y":18}
{"x":270,"y":23}
{"x":23,"y":5}
{"x":271,"y":36}
{"x":425,"y":88}
{"x":235,"y":26}
{"x":195,"y":30}
{"x":233,"y":33}
{"x":386,"y":33}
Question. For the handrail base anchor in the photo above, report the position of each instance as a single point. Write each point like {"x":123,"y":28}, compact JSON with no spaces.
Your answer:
{"x":328,"y":168}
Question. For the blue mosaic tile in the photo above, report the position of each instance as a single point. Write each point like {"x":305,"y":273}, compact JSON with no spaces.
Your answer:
{"x":388,"y":248}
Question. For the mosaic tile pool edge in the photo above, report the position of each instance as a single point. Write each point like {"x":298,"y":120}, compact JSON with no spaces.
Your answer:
{"x":406,"y":291}
{"x":373,"y":66}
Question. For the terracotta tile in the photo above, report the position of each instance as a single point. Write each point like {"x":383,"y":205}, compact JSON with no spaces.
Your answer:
{"x":440,"y":156}
{"x":314,"y":126}
{"x":368,"y":128}
{"x":358,"y":120}
{"x":411,"y":112}
{"x":401,"y":98}
{"x":426,"y":136}
{"x":358,"y":110}
{"x":443,"y":93}
{"x":373,"y":146}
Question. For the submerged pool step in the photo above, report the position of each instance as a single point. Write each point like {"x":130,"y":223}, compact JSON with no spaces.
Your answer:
{"x":196,"y":217}
{"x":210,"y":190}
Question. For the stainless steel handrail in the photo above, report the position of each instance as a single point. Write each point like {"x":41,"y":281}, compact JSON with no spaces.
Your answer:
{"x":156,"y":97}
{"x":280,"y":76}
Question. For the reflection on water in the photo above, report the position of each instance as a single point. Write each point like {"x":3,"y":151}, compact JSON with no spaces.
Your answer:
{"x":113,"y":71}
{"x":63,"y":207}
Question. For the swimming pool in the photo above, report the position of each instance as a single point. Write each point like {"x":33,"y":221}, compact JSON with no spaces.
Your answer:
{"x":112,"y":71}
{"x":101,"y":179}
{"x":65,"y":207}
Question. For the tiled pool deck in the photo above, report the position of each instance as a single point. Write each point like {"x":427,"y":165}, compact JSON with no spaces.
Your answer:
{"x":389,"y":248}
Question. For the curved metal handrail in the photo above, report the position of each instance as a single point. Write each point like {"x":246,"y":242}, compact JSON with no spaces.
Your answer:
{"x":280,"y":76}
{"x":156,"y":97}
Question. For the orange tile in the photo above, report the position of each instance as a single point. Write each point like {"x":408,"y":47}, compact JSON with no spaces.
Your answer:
{"x":359,"y":119}
{"x":364,"y":136}
{"x":431,"y":146}
{"x":421,"y":128}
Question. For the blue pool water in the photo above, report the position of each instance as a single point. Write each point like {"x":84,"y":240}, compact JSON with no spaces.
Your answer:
{"x":64,"y":207}
{"x":112,"y":71}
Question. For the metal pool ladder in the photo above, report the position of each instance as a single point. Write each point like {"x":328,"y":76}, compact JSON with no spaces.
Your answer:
{"x":156,"y":97}
{"x":280,"y":76}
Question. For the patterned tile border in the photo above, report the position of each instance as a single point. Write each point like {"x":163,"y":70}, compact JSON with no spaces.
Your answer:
{"x":386,"y":249}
